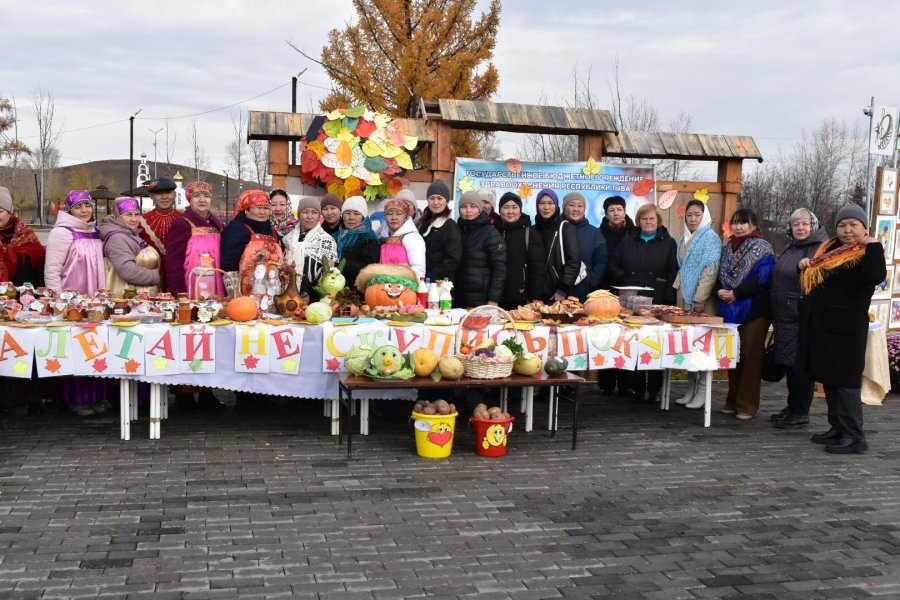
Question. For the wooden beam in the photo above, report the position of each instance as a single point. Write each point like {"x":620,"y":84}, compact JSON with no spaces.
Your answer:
{"x":713,"y":187}
{"x":729,"y":175}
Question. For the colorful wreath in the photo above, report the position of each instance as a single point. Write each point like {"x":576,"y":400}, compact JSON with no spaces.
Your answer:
{"x":359,"y":152}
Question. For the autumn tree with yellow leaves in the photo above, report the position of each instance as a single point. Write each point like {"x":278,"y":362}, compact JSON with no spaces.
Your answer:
{"x":403,"y":50}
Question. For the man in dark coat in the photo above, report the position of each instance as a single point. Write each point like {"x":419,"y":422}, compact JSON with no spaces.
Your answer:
{"x":526,"y":260}
{"x":482,"y":268}
{"x":838,"y":283}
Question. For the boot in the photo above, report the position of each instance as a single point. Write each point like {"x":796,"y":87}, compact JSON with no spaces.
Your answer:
{"x":691,"y":390}
{"x":699,"y":399}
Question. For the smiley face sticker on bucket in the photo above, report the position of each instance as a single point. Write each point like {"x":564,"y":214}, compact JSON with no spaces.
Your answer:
{"x":434,"y":434}
{"x":491,"y":435}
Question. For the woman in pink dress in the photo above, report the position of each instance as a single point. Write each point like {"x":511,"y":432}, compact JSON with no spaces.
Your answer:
{"x":194,"y":238}
{"x":75,"y":262}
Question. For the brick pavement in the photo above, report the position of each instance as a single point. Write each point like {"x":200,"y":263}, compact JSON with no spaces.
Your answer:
{"x":651,"y":506}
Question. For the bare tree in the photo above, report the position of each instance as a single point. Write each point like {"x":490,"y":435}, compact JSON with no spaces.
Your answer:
{"x":259,"y":161}
{"x":488,"y":147}
{"x":10,"y":144}
{"x":198,"y":156}
{"x":236,"y":158}
{"x":46,"y":156}
{"x":169,"y":147}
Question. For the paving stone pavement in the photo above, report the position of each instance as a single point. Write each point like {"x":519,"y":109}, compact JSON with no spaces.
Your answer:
{"x":265,"y":505}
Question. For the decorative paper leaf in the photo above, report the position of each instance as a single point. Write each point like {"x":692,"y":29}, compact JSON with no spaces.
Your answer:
{"x":372,"y":148}
{"x":404,"y":161}
{"x":343,"y":153}
{"x":331,"y":144}
{"x":333,"y":128}
{"x":394,"y":185}
{"x":679,"y":359}
{"x":364,"y":128}
{"x":352,"y":184}
{"x":702,"y":195}
{"x":525,"y":191}
{"x":391,"y":168}
{"x":99,"y":365}
{"x":642,"y":187}
{"x":333,"y":162}
{"x":646,"y":357}
{"x":381,"y":120}
{"x":592,"y":167}
{"x":725,"y":362}
{"x":52,"y":365}
{"x":251,"y":362}
{"x":599,"y":360}
{"x":391,"y":151}
{"x":344,"y":172}
{"x":375,"y":164}
{"x":514,"y":165}
{"x":372,"y":193}
{"x":666,"y":200}
{"x":374,"y":179}
{"x":580,"y":362}
{"x":345,"y":135}
{"x":466,"y":184}
{"x":335,"y":114}
{"x":355,"y":112}
{"x":337,"y":189}
{"x":619,"y":361}
{"x":160,"y":363}
{"x":350,"y":124}
{"x":363,"y":174}
{"x":682,"y":209}
{"x":132,"y":366}
{"x":195,"y":365}
{"x":317,"y":147}
{"x":289,"y":365}
{"x":359,"y":157}
{"x":410,"y":142}
{"x":309,"y":161}
{"x":20,"y":367}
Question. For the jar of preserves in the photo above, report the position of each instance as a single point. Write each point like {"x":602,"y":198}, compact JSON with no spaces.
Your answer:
{"x":168,"y":311}
{"x":184,"y":311}
{"x":120,"y":307}
{"x":96,"y":312}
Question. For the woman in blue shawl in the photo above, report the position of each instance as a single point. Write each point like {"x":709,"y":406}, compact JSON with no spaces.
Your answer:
{"x":745,"y":278}
{"x":357,"y":244}
{"x":699,"y":250}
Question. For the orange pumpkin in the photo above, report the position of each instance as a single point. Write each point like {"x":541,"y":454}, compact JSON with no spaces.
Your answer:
{"x":604,"y":307}
{"x":390,"y":294}
{"x":242,"y":308}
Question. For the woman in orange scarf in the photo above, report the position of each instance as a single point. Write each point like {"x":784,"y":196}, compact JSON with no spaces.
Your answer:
{"x":838,"y":283}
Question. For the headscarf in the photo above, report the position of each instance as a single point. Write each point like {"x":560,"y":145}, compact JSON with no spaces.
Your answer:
{"x":704,"y":248}
{"x":754,"y":257}
{"x":197,"y":186}
{"x":813,"y":223}
{"x":249,"y":199}
{"x":76,"y":197}
{"x":407,"y":207}
{"x":126,"y":204}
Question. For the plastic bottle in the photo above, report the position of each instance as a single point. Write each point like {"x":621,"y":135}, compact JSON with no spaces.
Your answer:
{"x":422,"y":292}
{"x":446,"y":298}
{"x":434,"y":296}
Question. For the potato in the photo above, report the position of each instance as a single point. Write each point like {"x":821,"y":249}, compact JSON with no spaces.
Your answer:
{"x":428,"y":410}
{"x":443,"y":409}
{"x":481,"y":406}
{"x":418,"y":407}
{"x":494,"y":410}
{"x":482,"y":414}
{"x":452,"y":408}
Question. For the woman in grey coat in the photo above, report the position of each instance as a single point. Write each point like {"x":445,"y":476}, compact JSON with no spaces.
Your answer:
{"x":129,"y":261}
{"x":805,"y":236}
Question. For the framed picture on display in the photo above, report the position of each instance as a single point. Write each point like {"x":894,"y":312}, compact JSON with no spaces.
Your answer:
{"x":896,"y":285}
{"x":881,"y":310}
{"x":896,"y":249}
{"x":887,"y":191}
{"x":884,"y":233}
{"x":883,"y":289}
{"x":894,"y":321}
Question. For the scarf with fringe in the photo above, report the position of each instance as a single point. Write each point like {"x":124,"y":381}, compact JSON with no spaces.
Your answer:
{"x":755,"y":257}
{"x":827,"y":260}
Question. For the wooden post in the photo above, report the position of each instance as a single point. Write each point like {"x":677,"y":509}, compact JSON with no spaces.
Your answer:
{"x":279,"y":161}
{"x":441,"y":151}
{"x":730,"y":178}
{"x":590,"y":144}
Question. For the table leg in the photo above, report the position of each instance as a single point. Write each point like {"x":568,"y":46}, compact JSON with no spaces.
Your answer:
{"x":528,"y":401}
{"x":335,"y":412}
{"x":363,"y":416}
{"x":707,"y":405}
{"x":551,"y":398}
{"x":164,"y":401}
{"x":124,"y":410}
{"x":340,"y":407}
{"x":554,"y":410}
{"x":349,"y":425}
{"x":154,"y":412}
{"x":575,"y":419}
{"x":666,"y":389}
{"x":503,"y":402}
{"x":327,"y":409}
{"x":133,"y":396}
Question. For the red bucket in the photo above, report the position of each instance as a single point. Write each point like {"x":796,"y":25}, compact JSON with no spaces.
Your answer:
{"x":491,"y":436}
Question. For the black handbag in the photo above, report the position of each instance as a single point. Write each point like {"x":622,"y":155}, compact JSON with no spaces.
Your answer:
{"x":771,"y":370}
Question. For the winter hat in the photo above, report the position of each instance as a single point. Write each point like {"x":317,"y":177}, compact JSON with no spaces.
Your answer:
{"x":160,"y":185}
{"x":355,"y":203}
{"x":76,"y":197}
{"x":309,"y":202}
{"x":572,"y":197}
{"x":438,"y":188}
{"x":852,"y":211}
{"x":329,"y":200}
{"x":547,"y":192}
{"x":126,"y":204}
{"x":6,"y":200}
{"x":471,"y":197}
{"x":509,"y":197}
{"x":612,"y":200}
{"x":488,"y":195}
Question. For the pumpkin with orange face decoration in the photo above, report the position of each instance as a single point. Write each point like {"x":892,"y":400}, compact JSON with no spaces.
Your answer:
{"x":388,"y":285}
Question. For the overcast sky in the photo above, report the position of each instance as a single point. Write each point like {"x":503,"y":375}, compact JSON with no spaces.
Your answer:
{"x":769,"y":69}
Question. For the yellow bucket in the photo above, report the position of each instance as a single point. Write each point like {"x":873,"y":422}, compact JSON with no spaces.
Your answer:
{"x":434,"y":434}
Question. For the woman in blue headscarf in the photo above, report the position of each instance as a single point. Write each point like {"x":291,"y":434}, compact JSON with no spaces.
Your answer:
{"x":699,"y":250}
{"x":357,"y":244}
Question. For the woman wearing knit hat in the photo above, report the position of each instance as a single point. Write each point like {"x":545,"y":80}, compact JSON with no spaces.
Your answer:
{"x":21,"y":253}
{"x":194,"y":239}
{"x":250,"y":240}
{"x":75,"y":261}
{"x":330,"y":205}
{"x":307,"y":245}
{"x":357,"y":243}
{"x":591,"y":243}
{"x":488,"y":203}
{"x":560,"y":241}
{"x":283,"y":219}
{"x":443,"y":241}
{"x":838,"y":283}
{"x":526,"y":261}
{"x":130,"y":261}
{"x":482,"y":269}
{"x":401,"y":242}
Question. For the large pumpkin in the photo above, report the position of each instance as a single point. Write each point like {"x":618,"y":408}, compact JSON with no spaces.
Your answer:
{"x":242,"y":308}
{"x":388,"y":285}
{"x":604,"y":307}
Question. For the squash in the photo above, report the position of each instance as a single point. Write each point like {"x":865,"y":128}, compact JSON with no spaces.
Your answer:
{"x":390,"y":294}
{"x":242,"y":308}
{"x":604,"y":307}
{"x":556,"y":366}
{"x":388,"y":285}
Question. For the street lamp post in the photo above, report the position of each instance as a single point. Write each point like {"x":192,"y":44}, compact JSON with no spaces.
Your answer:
{"x":155,"y":133}
{"x":131,"y":150}
{"x":224,"y":192}
{"x":868,"y":110}
{"x":294,"y":80}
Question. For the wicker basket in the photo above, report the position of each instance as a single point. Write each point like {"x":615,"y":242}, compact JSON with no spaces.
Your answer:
{"x":478,"y":369}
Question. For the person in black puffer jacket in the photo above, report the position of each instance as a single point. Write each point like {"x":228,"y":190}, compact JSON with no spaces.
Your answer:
{"x":647,"y":257}
{"x":559,"y":282}
{"x":614,"y":227}
{"x":591,"y":242}
{"x":526,"y":260}
{"x":482,"y":268}
{"x":443,"y":242}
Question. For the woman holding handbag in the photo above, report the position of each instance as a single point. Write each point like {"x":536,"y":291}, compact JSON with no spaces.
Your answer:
{"x":561,"y":243}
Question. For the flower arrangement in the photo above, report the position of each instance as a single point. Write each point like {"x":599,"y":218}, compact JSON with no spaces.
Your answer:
{"x":893,"y":347}
{"x":359,"y":152}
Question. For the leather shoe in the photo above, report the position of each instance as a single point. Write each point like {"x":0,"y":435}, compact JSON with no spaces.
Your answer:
{"x":847,"y":445}
{"x":826,"y":437}
{"x":779,"y":415}
{"x":790,"y":421}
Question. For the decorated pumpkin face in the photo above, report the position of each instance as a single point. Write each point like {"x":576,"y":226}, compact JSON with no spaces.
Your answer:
{"x":390,"y":294}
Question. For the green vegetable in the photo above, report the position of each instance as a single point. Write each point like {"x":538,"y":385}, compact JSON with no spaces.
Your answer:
{"x":517,"y":349}
{"x":356,"y":357}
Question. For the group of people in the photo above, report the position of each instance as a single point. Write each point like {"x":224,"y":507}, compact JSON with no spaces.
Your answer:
{"x":495,"y":255}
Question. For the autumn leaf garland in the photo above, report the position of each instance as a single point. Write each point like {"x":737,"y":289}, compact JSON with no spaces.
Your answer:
{"x":359,"y":152}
